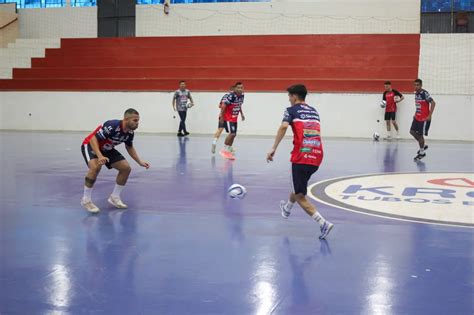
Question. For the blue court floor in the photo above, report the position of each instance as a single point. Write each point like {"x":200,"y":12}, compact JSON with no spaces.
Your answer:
{"x":183,"y":247}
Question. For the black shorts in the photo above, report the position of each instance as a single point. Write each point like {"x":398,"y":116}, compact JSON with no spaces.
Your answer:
{"x":230,"y":127}
{"x":301,"y":174}
{"x":221,"y":124}
{"x":420,"y":127}
{"x":390,"y":115}
{"x":89,"y":154}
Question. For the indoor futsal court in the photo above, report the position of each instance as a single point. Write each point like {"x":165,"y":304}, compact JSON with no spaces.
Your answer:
{"x":236,"y":157}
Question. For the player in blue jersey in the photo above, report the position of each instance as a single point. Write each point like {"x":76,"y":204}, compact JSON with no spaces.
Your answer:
{"x":98,"y":149}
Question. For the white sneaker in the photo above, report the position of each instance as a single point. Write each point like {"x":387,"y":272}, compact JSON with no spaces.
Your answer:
{"x":398,"y":137}
{"x":284,"y":212}
{"x":388,"y":138}
{"x":89,"y":205}
{"x":117,"y":202}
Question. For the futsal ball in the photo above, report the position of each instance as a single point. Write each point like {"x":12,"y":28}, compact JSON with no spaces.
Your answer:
{"x":383,"y":104}
{"x":376,"y":136}
{"x":397,"y":98}
{"x":236,"y":191}
{"x":189,"y":105}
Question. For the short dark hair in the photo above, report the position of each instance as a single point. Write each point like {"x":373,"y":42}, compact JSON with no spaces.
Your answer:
{"x":298,"y":90}
{"x":232,"y":87}
{"x":237,"y":83}
{"x":131,"y":111}
{"x":387,"y":83}
{"x":418,"y":81}
{"x":182,"y":81}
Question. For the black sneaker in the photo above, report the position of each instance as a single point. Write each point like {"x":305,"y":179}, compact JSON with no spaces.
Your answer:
{"x":424,"y":149}
{"x":419,"y":156}
{"x":186,"y":133}
{"x":180,"y":134}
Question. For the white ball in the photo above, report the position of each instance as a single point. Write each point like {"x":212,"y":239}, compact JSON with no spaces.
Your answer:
{"x":383,"y":104}
{"x":236,"y":191}
{"x":397,"y":98}
{"x":376,"y":136}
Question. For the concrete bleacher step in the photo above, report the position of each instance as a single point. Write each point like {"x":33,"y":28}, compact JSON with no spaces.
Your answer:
{"x":214,"y":72}
{"x":207,"y":84}
{"x":5,"y":73}
{"x":35,"y":43}
{"x":325,"y":63}
{"x":22,"y":52}
{"x":19,"y":53}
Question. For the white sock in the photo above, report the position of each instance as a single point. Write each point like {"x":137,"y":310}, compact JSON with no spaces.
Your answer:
{"x":422,"y":150}
{"x":87,"y":193}
{"x":289,"y":205}
{"x":214,"y":141}
{"x":117,"y":190}
{"x":318,"y":218}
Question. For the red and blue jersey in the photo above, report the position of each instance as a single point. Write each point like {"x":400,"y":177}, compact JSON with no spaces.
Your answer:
{"x":389,"y":97}
{"x":110,"y":134}
{"x":422,"y":103}
{"x":307,"y":143}
{"x":223,"y":99}
{"x":233,"y":105}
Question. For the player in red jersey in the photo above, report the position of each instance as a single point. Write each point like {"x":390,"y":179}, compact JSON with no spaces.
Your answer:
{"x":306,"y":156}
{"x":98,"y":149}
{"x":220,"y":126}
{"x":425,"y":106}
{"x":391,"y":98}
{"x":230,"y":111}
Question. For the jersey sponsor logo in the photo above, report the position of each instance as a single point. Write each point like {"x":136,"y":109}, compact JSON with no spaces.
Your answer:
{"x":306,"y":149}
{"x":436,"y":198}
{"x":311,"y":142}
{"x":310,"y":133}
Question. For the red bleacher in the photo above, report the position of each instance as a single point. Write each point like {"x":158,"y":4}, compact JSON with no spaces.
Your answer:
{"x":325,"y":63}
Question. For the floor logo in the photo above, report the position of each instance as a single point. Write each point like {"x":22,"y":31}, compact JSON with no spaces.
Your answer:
{"x":441,"y":198}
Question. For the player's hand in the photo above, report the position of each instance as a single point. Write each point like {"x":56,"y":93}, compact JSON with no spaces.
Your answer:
{"x":428,"y":118}
{"x":144,"y":164}
{"x":243,"y":118}
{"x":270,"y":155}
{"x":102,"y":160}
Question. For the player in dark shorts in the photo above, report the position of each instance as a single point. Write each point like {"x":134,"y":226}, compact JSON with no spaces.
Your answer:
{"x":98,"y":149}
{"x":230,"y":111}
{"x":425,"y":106}
{"x":181,"y":97}
{"x":306,"y":156}
{"x":220,"y":123}
{"x":391,"y":98}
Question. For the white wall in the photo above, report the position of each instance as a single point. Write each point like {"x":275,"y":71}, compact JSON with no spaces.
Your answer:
{"x":66,"y":22}
{"x":343,"y":115}
{"x":447,"y":63}
{"x":281,"y":17}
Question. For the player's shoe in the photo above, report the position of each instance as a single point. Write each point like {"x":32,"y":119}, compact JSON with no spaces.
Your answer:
{"x":179,"y":134}
{"x":424,"y":149}
{"x":284,"y":213}
{"x":398,"y":137}
{"x":117,"y":202}
{"x":227,"y":155}
{"x":186,"y":133}
{"x":325,"y":229}
{"x":89,"y":205}
{"x":388,"y":138}
{"x":419,"y":156}
{"x":213,"y":149}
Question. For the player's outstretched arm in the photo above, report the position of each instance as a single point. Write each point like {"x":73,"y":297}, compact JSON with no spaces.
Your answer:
{"x":133,"y":153}
{"x":279,"y":136}
{"x":242,"y":113}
